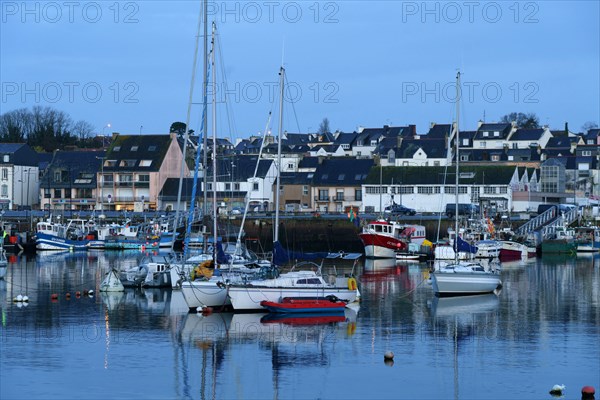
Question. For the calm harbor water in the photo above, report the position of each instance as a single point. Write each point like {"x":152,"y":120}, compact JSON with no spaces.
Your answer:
{"x":542,"y":329}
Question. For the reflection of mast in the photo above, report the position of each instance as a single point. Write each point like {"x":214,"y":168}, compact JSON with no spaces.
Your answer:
{"x":455,"y":358}
{"x":107,"y":333}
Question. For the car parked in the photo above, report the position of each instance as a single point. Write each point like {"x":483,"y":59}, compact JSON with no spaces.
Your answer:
{"x":399,"y":209}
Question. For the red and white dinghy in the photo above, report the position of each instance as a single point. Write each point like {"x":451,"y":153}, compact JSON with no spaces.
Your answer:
{"x":305,"y":304}
{"x":383,"y":239}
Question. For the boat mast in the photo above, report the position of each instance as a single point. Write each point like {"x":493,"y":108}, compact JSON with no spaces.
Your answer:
{"x":457,"y":171}
{"x":205,"y":109}
{"x":214,"y":151}
{"x":186,"y":136}
{"x":280,"y":135}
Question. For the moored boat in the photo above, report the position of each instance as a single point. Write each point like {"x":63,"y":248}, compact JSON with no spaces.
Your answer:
{"x":384,"y":239}
{"x":304,"y":305}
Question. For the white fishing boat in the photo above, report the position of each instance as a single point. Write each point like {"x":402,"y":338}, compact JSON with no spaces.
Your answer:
{"x":462,"y":277}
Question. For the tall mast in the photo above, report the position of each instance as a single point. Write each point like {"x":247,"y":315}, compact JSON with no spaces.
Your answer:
{"x":205,"y":108}
{"x":280,"y":135}
{"x":214,"y":152}
{"x":457,"y":170}
{"x":186,"y":135}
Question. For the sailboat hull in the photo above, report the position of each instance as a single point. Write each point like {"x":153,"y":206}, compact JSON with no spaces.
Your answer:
{"x":204,"y":293}
{"x":249,"y":298}
{"x":464,"y":283}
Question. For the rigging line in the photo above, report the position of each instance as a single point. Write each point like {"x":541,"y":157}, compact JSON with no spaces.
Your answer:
{"x":228,"y":106}
{"x":287,"y":87}
{"x":187,"y":124}
{"x":190,"y":220}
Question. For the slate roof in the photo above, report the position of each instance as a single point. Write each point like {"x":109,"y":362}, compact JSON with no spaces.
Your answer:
{"x":503,"y":128}
{"x":561,"y":142}
{"x":19,"y":154}
{"x":296,"y":178}
{"x":439,"y":131}
{"x":78,"y":169}
{"x":529,"y":154}
{"x":342,"y":171}
{"x":527,"y":134}
{"x":309,"y":162}
{"x":489,"y":175}
{"x":129,"y":150}
{"x":239,"y":168}
{"x":345,"y":138}
{"x":171,"y":188}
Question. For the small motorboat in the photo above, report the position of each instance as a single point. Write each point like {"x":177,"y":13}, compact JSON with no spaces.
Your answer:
{"x":305,"y":304}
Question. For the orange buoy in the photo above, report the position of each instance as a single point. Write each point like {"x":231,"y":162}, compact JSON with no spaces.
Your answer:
{"x":588,"y":392}
{"x":54,"y":296}
{"x":78,"y":294}
{"x":68,"y":295}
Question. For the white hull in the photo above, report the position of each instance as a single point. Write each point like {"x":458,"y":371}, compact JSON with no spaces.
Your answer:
{"x":249,"y":298}
{"x":457,"y":283}
{"x":445,"y":252}
{"x":374,"y":251}
{"x":204,"y":293}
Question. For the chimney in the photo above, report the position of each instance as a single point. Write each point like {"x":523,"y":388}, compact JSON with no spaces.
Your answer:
{"x":567,"y":128}
{"x":114,"y":135}
{"x":413,"y":130}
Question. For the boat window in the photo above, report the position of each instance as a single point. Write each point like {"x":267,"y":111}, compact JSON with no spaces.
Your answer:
{"x":313,"y":281}
{"x":301,"y":282}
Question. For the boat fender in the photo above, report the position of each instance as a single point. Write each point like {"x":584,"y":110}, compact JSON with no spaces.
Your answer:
{"x":352,"y":284}
{"x":332,"y":298}
{"x":221,"y":285}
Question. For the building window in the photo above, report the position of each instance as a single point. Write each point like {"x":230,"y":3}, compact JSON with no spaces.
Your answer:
{"x":57,"y":194}
{"x":290,"y":166}
{"x":47,"y":194}
{"x":339,"y":195}
{"x":358,"y":194}
{"x":305,"y":190}
{"x":323,"y":194}
{"x":462,"y":190}
{"x":489,"y":190}
{"x":145,"y":163}
{"x":228,"y":186}
{"x":425,"y":190}
{"x":236,"y":186}
{"x":495,"y":157}
{"x":503,"y":190}
{"x":4,"y":190}
{"x":134,"y":148}
{"x":4,"y":174}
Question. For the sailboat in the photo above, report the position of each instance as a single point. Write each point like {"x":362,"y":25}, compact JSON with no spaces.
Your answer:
{"x":296,"y":283}
{"x":469,"y":276}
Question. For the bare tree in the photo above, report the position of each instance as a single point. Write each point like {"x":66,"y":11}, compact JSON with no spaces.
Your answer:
{"x":324,"y":126}
{"x":589,"y":125}
{"x":83,"y":130}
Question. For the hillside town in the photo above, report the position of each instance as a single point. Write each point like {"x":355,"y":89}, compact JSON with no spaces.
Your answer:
{"x":503,"y":169}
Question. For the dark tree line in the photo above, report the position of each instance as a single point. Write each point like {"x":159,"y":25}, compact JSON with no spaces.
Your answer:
{"x":46,"y":129}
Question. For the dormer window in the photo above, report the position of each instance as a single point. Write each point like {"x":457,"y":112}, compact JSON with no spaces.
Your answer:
{"x":152,"y":148}
{"x":486,"y":134}
{"x":117,"y":148}
{"x":496,"y":134}
{"x":134,"y":148}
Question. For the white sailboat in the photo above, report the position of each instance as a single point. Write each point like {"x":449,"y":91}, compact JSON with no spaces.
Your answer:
{"x":296,"y":283}
{"x":469,"y":276}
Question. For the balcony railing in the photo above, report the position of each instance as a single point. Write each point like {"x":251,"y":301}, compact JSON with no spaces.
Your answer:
{"x":322,"y":198}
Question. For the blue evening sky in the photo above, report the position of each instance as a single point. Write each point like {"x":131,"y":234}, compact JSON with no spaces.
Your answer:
{"x":358,"y":63}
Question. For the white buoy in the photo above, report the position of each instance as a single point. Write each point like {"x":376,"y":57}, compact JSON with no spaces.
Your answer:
{"x":25,"y":299}
{"x":19,"y":298}
{"x":388,"y":355}
{"x":557,"y":390}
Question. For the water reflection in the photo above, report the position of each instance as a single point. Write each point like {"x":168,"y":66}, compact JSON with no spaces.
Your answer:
{"x":544,"y":322}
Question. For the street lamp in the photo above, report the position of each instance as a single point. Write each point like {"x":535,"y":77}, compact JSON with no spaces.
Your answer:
{"x":104,"y":127}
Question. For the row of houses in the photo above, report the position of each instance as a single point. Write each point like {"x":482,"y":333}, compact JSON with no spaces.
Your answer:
{"x":503,"y":168}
